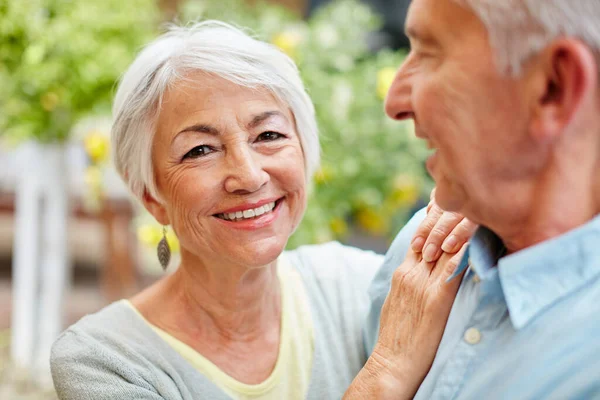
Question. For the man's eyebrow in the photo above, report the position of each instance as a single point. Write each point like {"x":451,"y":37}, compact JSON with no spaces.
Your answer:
{"x":262,"y":117}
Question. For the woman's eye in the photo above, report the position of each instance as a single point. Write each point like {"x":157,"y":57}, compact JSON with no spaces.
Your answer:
{"x":268,"y":136}
{"x":198,"y":151}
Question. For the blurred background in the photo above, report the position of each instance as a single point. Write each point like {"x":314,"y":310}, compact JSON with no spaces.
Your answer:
{"x":59,"y":61}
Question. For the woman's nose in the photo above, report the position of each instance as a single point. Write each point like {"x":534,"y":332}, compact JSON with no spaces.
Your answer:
{"x":245,"y":173}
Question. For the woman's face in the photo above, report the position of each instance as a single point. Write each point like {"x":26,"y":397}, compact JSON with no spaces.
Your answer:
{"x":229,"y":166}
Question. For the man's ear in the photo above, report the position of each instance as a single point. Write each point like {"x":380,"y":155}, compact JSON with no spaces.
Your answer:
{"x":564,"y":77}
{"x":155,"y":208}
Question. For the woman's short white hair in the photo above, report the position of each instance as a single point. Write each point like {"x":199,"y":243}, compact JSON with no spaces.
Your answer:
{"x":216,"y":48}
{"x":519,"y":29}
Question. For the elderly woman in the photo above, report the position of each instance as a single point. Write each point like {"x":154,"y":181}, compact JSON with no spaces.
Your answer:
{"x":215,"y":134}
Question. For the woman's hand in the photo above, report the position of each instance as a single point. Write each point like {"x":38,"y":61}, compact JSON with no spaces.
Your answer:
{"x":413,"y":320}
{"x":441,"y":231}
{"x":415,"y":312}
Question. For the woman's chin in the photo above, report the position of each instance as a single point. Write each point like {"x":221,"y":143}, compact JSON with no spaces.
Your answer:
{"x":258,"y":254}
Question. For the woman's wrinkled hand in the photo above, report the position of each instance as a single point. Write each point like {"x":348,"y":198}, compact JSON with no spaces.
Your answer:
{"x":441,"y":231}
{"x":413,"y":320}
{"x":415,"y":312}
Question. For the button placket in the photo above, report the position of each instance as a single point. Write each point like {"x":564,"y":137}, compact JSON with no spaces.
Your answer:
{"x":471,"y":342}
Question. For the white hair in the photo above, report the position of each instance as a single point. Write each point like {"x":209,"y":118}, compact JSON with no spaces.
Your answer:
{"x":519,"y":29}
{"x":215,"y":48}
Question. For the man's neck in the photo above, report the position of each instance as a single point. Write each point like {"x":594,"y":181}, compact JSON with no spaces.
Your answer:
{"x":561,"y":199}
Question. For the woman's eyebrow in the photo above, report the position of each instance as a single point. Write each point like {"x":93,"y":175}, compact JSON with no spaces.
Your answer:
{"x":201,"y":128}
{"x":262,"y":117}
{"x":211,"y":130}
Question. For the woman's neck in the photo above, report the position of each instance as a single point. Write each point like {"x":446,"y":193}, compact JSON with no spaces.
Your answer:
{"x":223,"y":303}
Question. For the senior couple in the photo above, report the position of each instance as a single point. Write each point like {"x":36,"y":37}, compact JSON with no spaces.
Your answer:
{"x":216,"y":136}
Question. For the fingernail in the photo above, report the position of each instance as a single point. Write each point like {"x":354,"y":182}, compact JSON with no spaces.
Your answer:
{"x":417,"y":244}
{"x":449,"y":245}
{"x":430,"y":252}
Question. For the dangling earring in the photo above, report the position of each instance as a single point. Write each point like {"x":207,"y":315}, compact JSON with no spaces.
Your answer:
{"x":163,"y":250}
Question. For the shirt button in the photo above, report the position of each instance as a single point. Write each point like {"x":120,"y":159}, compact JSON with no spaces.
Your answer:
{"x":472,"y":336}
{"x":476,"y":278}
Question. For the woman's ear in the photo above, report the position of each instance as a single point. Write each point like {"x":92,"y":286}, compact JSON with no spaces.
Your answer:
{"x":155,"y":208}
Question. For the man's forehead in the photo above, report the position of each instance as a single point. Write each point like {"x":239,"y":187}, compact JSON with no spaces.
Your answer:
{"x":428,"y":20}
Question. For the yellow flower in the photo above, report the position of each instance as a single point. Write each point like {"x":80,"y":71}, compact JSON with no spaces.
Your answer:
{"x":49,"y":101}
{"x":405,"y":192}
{"x":372,"y":221}
{"x":173,"y":241}
{"x":96,"y":145}
{"x":338,"y":226}
{"x":323,"y":174}
{"x":288,"y":42}
{"x":149,"y":234}
{"x":385,"y":77}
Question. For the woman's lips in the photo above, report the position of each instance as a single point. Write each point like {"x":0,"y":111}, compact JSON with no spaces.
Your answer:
{"x":249,"y":206}
{"x":255,"y":222}
{"x":246,"y":213}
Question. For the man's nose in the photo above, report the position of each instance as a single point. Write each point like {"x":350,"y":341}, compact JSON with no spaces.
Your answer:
{"x":398,"y":103}
{"x":245,"y":173}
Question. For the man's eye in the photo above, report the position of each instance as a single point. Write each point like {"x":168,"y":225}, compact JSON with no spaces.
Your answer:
{"x":268,"y":136}
{"x":198,"y":151}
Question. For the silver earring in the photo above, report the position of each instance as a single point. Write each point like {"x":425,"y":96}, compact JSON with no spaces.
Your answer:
{"x":163,"y":251}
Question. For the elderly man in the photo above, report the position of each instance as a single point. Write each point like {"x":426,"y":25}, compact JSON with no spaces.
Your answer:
{"x":507,"y":93}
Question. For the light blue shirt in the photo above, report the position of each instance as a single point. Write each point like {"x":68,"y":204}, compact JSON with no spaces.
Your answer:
{"x":523,"y":326}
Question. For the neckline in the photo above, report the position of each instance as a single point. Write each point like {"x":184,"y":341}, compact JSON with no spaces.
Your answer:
{"x":196,"y":358}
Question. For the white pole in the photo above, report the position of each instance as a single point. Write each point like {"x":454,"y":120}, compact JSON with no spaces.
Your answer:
{"x":26,"y":255}
{"x":55,"y":263}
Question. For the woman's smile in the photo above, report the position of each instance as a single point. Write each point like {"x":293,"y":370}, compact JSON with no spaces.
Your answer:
{"x":250,"y":217}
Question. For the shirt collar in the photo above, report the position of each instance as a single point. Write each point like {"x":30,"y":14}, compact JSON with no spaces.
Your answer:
{"x":537,"y":277}
{"x":483,"y":252}
{"x":486,"y":250}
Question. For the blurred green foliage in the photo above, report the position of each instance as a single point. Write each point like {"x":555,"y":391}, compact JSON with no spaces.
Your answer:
{"x":59,"y":60}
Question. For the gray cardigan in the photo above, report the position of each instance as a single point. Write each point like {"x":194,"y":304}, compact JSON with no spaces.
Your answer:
{"x":114,"y":354}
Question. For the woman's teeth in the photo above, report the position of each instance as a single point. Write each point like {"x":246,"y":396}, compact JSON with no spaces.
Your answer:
{"x":247,"y":214}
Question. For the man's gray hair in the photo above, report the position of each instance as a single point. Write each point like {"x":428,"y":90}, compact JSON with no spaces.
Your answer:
{"x":215,"y":48}
{"x":519,"y":29}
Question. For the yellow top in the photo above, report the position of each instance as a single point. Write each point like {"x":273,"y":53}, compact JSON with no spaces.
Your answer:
{"x":291,"y":375}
